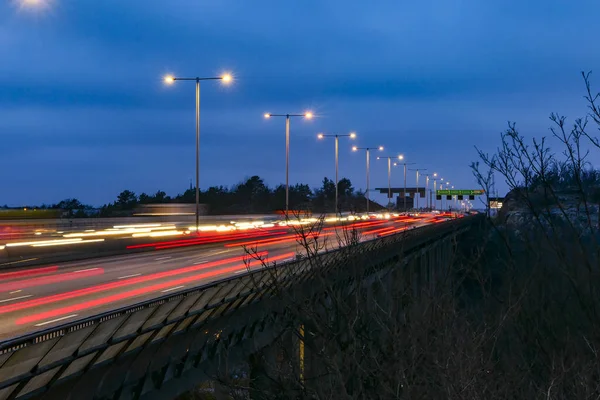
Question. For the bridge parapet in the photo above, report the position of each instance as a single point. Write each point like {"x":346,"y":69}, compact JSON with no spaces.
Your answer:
{"x":139,"y":350}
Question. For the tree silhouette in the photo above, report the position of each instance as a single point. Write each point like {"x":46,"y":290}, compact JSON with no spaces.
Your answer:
{"x":253,"y":195}
{"x":69,"y":205}
{"x":72,"y":207}
{"x":249,"y":196}
{"x":127,"y":200}
{"x":145,"y":199}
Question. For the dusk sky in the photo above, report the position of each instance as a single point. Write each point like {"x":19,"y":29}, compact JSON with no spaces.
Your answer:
{"x":84,"y":112}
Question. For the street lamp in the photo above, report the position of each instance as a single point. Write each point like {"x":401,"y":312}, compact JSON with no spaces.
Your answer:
{"x":389,"y":162}
{"x":442,"y":188}
{"x":322,"y":136}
{"x":367,"y":149}
{"x":434,"y":201}
{"x":417,"y":196}
{"x":427,"y":192}
{"x":32,"y":4}
{"x":170,"y":79}
{"x":405,"y":164}
{"x":455,"y":197}
{"x":307,"y":115}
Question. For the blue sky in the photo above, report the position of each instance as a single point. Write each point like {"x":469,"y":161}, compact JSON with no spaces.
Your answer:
{"x":83,"y":111}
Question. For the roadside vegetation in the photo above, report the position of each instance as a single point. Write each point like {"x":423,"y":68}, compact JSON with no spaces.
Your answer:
{"x":249,"y":196}
{"x":514,"y":315}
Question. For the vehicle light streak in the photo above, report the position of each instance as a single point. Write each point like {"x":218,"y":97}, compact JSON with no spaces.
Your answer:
{"x":28,"y":272}
{"x":64,"y":244}
{"x":192,"y":242}
{"x":376,"y":231}
{"x":121,"y":283}
{"x":392,"y":231}
{"x":117,"y":232}
{"x":137,"y":292}
{"x":203,"y":240}
{"x":47,"y":280}
{"x":158,"y":234}
{"x":357,"y":225}
{"x":56,"y":241}
{"x":137,"y":226}
{"x":284,"y":239}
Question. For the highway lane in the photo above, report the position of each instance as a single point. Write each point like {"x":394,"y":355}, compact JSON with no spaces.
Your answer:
{"x":34,"y":299}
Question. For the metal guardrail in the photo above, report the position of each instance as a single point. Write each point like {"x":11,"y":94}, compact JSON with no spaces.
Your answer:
{"x":33,"y":363}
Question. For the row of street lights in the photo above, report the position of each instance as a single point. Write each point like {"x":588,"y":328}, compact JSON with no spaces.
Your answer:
{"x":226,"y":79}
{"x":336,"y":136}
{"x":170,"y":79}
{"x":307,"y":115}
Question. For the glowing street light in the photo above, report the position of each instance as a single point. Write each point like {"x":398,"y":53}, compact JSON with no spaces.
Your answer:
{"x":226,"y":78}
{"x":389,"y":163}
{"x":306,"y":115}
{"x":367,"y":149}
{"x":169,"y":80}
{"x":351,"y":135}
{"x":32,"y":5}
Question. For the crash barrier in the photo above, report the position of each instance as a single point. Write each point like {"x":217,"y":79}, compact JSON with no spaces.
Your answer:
{"x":139,"y":350}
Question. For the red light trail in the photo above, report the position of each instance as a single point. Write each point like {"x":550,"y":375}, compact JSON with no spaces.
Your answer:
{"x":114,"y":285}
{"x":137,"y":292}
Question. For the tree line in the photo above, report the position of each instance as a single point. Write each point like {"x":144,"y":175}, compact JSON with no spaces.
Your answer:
{"x":252,"y":195}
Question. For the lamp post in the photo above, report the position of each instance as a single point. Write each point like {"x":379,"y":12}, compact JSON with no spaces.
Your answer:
{"x":307,"y":115}
{"x":367,"y":150}
{"x":322,"y":136}
{"x":427,"y":193}
{"x":417,"y":195}
{"x":442,"y":199}
{"x":169,"y":79}
{"x":434,"y":199}
{"x":405,"y":164}
{"x":455,"y":197}
{"x":389,"y":162}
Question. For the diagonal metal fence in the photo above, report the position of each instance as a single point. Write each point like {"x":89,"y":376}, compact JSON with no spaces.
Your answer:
{"x":33,"y":363}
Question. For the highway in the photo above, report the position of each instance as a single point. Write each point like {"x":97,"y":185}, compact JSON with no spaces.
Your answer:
{"x":19,"y":229}
{"x":36,"y":298}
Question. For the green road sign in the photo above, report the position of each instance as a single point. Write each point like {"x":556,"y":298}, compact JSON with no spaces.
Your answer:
{"x":459,"y":192}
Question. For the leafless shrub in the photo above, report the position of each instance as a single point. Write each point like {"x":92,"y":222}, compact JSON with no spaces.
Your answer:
{"x":516,"y":315}
{"x":549,"y":231}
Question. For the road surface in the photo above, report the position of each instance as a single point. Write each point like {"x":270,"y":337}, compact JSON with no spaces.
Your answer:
{"x":38,"y":298}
